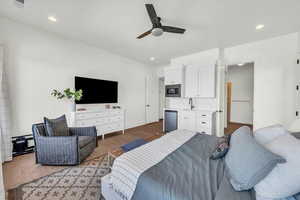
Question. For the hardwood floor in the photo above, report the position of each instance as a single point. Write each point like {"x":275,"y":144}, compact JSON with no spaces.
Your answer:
{"x":232,"y":126}
{"x":23,"y":168}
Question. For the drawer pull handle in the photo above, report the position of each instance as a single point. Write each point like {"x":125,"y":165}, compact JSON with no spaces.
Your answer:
{"x":203,"y":122}
{"x":203,"y":115}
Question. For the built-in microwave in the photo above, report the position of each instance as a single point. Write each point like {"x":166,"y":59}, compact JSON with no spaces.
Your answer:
{"x":173,"y":90}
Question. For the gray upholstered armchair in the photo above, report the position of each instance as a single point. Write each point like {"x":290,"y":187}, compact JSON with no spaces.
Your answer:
{"x":63,"y":150}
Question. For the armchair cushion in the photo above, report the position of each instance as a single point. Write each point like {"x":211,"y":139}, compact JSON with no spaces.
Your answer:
{"x":85,"y":140}
{"x":56,"y":127}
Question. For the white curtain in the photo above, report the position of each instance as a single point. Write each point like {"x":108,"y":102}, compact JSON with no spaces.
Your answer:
{"x":5,"y":125}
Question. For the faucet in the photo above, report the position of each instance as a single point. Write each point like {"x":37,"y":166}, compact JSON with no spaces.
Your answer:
{"x":191,"y":103}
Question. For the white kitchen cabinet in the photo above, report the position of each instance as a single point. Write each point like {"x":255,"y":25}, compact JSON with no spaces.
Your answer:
{"x":174,"y":75}
{"x":200,"y":81}
{"x":199,"y":121}
{"x":207,"y":79}
{"x":206,"y":122}
{"x":191,"y":81}
{"x":187,"y":120}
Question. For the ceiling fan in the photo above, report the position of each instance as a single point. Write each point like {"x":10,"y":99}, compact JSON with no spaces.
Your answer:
{"x":157,"y":28}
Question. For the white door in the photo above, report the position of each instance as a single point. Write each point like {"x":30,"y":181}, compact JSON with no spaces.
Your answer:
{"x":152,"y":99}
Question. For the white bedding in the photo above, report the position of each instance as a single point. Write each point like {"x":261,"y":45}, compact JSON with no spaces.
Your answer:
{"x":128,"y":167}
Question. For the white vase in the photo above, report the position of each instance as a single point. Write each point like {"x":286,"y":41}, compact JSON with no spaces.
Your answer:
{"x":72,"y":107}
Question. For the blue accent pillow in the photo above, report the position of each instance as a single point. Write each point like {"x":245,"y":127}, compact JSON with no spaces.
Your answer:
{"x":222,"y":148}
{"x":134,"y":144}
{"x":247,"y":161}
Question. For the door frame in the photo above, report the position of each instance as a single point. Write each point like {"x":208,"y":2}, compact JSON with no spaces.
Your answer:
{"x":151,"y":100}
{"x":253,"y":98}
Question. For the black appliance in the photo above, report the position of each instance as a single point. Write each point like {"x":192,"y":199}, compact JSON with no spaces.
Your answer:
{"x":171,"y":120}
{"x":173,"y":90}
{"x":21,"y":145}
{"x":96,"y":91}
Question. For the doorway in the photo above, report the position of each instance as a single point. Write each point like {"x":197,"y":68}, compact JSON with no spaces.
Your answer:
{"x":239,"y":96}
{"x":151,"y":103}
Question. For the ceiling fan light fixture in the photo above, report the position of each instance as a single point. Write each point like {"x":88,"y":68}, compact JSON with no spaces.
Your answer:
{"x":157,"y":32}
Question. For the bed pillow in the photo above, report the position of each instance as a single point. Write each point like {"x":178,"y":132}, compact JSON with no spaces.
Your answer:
{"x":56,"y":127}
{"x":297,"y":135}
{"x":247,"y":161}
{"x":221,"y":148}
{"x":267,"y":134}
{"x":284,"y":180}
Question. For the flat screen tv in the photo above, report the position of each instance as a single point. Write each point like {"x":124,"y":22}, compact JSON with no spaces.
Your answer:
{"x":96,"y":91}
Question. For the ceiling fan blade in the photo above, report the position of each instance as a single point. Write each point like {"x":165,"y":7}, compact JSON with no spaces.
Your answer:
{"x":171,"y":29}
{"x":151,"y":12}
{"x":144,"y":34}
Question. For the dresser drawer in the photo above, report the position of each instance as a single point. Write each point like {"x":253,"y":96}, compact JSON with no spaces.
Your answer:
{"x":204,"y":130}
{"x":204,"y":123}
{"x":83,"y":116}
{"x":204,"y":115}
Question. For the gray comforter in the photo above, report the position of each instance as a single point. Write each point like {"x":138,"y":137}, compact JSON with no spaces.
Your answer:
{"x":189,"y":174}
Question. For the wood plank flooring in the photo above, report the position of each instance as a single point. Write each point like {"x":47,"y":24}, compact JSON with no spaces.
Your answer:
{"x":232,"y":126}
{"x":23,"y":168}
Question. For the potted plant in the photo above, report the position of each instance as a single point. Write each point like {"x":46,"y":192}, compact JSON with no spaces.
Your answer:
{"x":69,"y":95}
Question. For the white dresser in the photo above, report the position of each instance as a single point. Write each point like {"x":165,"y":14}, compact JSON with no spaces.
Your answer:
{"x":106,"y":120}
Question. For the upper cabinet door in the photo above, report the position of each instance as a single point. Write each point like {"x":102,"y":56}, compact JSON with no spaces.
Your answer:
{"x":206,"y":82}
{"x":191,"y":81}
{"x":200,"y":81}
{"x":174,"y":75}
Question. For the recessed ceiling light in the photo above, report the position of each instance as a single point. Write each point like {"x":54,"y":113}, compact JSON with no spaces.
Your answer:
{"x":52,"y":19}
{"x":259,"y":26}
{"x":152,"y":58}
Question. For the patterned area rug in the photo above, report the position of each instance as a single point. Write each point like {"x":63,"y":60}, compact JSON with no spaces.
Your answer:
{"x":74,"y":183}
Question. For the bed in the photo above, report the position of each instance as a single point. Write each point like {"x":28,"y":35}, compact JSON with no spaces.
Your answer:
{"x":173,"y":167}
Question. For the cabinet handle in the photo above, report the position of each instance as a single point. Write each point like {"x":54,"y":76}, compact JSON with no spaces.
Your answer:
{"x":203,"y":122}
{"x":203,"y":115}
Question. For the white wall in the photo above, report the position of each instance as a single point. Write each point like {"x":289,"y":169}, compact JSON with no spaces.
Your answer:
{"x":241,"y":78}
{"x":39,"y":61}
{"x":274,"y":78}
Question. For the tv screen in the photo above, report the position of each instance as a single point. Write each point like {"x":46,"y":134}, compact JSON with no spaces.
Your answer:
{"x":96,"y":91}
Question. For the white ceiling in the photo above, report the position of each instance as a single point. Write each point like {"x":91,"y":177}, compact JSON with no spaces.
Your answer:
{"x":114,"y":24}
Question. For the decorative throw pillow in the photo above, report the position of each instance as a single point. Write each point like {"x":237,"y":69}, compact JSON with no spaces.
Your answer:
{"x":297,"y":135}
{"x":267,"y":134}
{"x":284,"y":180}
{"x":247,"y":161}
{"x":221,"y":148}
{"x":56,"y":127}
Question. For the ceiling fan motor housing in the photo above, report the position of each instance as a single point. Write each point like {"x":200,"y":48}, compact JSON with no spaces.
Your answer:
{"x":157,"y":32}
